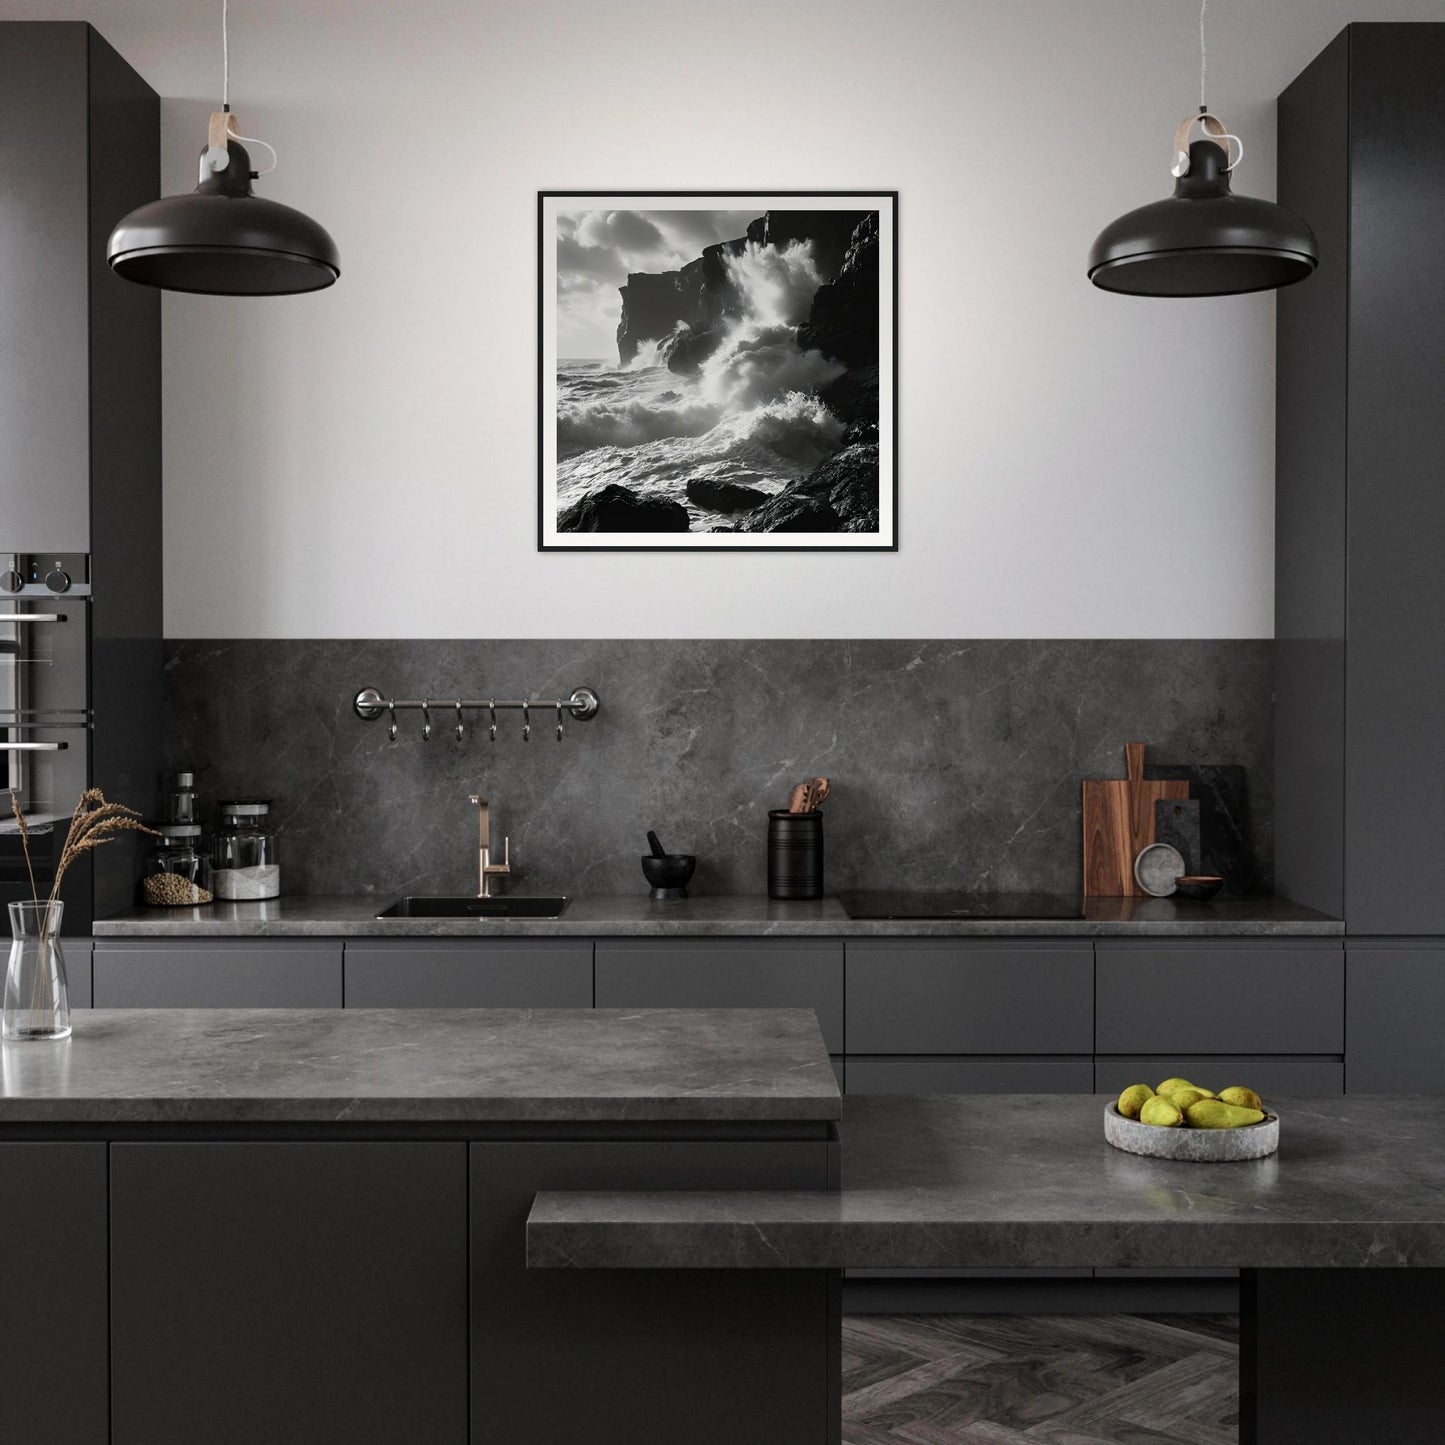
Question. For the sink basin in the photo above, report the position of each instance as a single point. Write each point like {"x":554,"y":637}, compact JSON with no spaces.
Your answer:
{"x":465,"y":906}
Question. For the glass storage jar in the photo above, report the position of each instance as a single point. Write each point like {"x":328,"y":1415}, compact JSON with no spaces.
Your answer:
{"x":244,"y":863}
{"x":178,"y":871}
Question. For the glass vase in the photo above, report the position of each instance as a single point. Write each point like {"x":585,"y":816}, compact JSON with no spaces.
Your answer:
{"x":37,"y":1002}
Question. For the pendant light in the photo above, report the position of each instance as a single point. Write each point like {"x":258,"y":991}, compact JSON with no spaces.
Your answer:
{"x":1203,"y":240}
{"x":221,"y":239}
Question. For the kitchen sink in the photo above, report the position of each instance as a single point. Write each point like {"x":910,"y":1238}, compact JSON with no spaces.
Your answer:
{"x":464,"y":906}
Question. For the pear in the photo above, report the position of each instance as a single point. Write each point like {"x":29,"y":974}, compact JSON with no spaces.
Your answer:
{"x":1169,"y":1086}
{"x":1133,"y":1099}
{"x":1183,"y":1098}
{"x":1160,"y":1111}
{"x":1215,"y":1114}
{"x":1245,"y":1098}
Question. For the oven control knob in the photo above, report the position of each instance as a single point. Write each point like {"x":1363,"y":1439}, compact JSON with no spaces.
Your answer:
{"x":11,"y":580}
{"x":58,"y":581}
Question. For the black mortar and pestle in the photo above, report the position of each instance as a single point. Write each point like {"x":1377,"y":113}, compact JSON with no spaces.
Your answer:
{"x":667,"y":872}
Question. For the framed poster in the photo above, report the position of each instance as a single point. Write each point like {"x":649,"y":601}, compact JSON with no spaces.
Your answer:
{"x":718,"y":371}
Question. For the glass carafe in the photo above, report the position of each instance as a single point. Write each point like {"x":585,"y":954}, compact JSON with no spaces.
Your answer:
{"x":37,"y":1002}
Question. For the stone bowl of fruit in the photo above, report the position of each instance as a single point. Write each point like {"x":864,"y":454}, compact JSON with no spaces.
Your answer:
{"x":1180,"y":1120}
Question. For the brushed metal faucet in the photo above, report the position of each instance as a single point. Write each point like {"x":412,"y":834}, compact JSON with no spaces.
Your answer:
{"x":486,"y":869}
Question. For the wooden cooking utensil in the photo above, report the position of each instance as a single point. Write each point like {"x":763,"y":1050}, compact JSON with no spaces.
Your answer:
{"x":1119,"y":822}
{"x":798,"y":799}
{"x":821,"y":788}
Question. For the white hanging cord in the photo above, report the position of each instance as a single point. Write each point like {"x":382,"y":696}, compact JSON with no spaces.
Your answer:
{"x":1203,"y":55}
{"x":251,"y":140}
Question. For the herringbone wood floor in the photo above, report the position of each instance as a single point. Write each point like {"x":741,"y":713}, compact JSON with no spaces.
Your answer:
{"x":1040,"y":1380}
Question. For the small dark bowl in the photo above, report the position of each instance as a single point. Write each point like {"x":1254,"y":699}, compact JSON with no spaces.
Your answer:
{"x":669,"y":874}
{"x":1198,"y":885}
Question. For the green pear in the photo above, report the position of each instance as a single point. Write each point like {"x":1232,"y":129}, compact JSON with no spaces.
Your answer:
{"x":1245,"y":1098}
{"x":1215,"y":1114}
{"x":1169,"y":1086}
{"x":1183,"y":1098}
{"x":1133,"y":1099}
{"x":1161,"y":1112}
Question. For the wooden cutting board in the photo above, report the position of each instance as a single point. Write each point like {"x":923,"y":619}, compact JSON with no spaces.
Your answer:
{"x":1118,"y":822}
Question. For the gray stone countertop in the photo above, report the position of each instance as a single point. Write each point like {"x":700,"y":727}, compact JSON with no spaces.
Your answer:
{"x":422,"y":1066}
{"x":743,"y":916}
{"x":1028,"y":1181}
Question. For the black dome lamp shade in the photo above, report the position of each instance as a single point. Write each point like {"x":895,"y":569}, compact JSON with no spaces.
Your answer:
{"x":222,"y":239}
{"x":1203,"y":240}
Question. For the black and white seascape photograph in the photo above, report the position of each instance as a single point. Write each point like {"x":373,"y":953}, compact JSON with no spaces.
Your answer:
{"x":717,"y":371}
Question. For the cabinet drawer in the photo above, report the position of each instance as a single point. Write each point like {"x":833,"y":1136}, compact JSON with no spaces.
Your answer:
{"x":217,"y":975}
{"x":948,"y":997}
{"x":970,"y":1076}
{"x":77,"y":970}
{"x":1396,"y":1019}
{"x":1271,"y":1077}
{"x":455,"y":973}
{"x":700,"y":973}
{"x":1228,"y":999}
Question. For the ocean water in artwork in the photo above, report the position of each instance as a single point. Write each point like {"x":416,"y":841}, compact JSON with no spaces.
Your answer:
{"x":742,"y":387}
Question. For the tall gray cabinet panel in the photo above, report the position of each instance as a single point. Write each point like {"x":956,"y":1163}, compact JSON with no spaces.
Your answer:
{"x":44,"y":314}
{"x":53,"y":1319}
{"x":288,"y":1292}
{"x":1361,"y":511}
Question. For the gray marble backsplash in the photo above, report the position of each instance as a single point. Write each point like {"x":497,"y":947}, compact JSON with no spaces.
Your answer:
{"x":953,"y":764}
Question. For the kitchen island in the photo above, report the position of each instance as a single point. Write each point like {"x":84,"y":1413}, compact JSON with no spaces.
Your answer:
{"x":1341,"y":1234}
{"x":309,"y":1225}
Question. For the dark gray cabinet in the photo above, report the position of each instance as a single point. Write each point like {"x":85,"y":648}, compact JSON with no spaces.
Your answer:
{"x":288,"y":1292}
{"x":232,"y":973}
{"x":724,"y":973}
{"x":54,"y":1382}
{"x":1270,"y":1074}
{"x":77,"y":953}
{"x":971,"y":1076}
{"x":956,"y":996}
{"x":553,"y":1352}
{"x":1360,"y":689}
{"x":1157,"y":997}
{"x":1396,"y":1018}
{"x":460,"y":973}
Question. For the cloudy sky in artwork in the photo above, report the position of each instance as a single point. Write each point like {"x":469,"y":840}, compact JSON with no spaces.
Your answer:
{"x":596,"y":249}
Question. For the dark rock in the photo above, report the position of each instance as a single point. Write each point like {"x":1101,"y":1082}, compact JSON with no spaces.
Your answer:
{"x":691,"y":349}
{"x":860,"y":431}
{"x":853,"y":397}
{"x":619,"y":509}
{"x":843,"y":322}
{"x":722,"y":529}
{"x":653,"y":304}
{"x":724,"y":496}
{"x":838,"y":495}
{"x":831,"y":233}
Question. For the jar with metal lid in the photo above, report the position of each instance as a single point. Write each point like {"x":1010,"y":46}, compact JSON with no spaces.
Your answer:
{"x":180,"y":803}
{"x":244,"y":863}
{"x":178,"y":871}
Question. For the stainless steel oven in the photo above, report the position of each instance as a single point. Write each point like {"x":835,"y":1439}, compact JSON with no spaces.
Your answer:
{"x":45,"y":720}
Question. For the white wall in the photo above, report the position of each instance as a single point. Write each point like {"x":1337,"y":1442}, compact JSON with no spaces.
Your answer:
{"x":363,"y":462}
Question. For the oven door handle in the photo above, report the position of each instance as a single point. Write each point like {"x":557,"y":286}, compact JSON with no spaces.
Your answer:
{"x":32,"y":617}
{"x":33,"y":747}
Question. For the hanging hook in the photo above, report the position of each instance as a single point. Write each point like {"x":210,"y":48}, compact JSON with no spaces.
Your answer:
{"x":461,"y":726}
{"x":391,"y":708}
{"x":492,"y":731}
{"x":559,"y":722}
{"x":526,"y":723}
{"x":426,"y":719}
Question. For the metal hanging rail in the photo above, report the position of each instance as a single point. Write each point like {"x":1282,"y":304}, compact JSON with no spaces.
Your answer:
{"x":370,"y":703}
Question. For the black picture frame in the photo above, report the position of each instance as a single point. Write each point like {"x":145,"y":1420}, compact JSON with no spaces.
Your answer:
{"x":546,"y":413}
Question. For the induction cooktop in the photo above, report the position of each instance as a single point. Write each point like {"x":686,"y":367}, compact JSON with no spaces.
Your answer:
{"x":879,"y":903}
